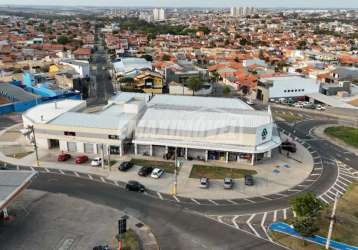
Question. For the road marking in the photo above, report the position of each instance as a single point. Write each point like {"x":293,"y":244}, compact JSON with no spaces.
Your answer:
{"x":285,"y":214}
{"x":32,"y":169}
{"x":301,"y":185}
{"x":176,"y":198}
{"x":251,"y":227}
{"x":337,"y":190}
{"x":267,"y":198}
{"x":329,"y":197}
{"x":234,"y":221}
{"x":344,"y":184}
{"x":343,"y":188}
{"x":348,"y":175}
{"x":197,"y":202}
{"x":103,"y":180}
{"x":160,"y":196}
{"x":248,"y":200}
{"x":283,"y":195}
{"x":294,"y":190}
{"x":61,"y":171}
{"x":215,"y":203}
{"x":263,"y":220}
{"x":349,"y":181}
{"x":90,"y":176}
{"x":220,"y":220}
{"x":76,"y":174}
{"x":46,"y":169}
{"x":315,"y":174}
{"x":233,"y":202}
{"x":275,"y":216}
{"x":330,"y":191}
{"x":323,"y":199}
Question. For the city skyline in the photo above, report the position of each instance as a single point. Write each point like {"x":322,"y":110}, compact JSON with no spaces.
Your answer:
{"x":188,"y":3}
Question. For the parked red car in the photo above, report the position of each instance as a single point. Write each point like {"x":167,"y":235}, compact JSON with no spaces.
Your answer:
{"x":81,"y":159}
{"x":63,"y":157}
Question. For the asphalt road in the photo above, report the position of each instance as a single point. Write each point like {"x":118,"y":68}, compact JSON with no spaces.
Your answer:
{"x":174,"y":226}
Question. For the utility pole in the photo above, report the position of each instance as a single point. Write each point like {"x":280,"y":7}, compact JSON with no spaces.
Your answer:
{"x":330,"y":229}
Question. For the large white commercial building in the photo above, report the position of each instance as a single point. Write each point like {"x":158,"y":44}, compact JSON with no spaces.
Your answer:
{"x":204,"y":128}
{"x":158,"y":14}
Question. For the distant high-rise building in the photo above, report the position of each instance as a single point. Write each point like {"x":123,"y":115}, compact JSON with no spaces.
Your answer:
{"x":242,"y":11}
{"x":158,"y":14}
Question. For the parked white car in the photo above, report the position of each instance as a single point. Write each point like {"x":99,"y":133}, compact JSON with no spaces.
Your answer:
{"x":320,"y":107}
{"x":157,"y":173}
{"x":298,"y":105}
{"x":96,"y":162}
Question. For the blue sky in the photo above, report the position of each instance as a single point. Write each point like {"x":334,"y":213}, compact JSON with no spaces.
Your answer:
{"x":196,"y":3}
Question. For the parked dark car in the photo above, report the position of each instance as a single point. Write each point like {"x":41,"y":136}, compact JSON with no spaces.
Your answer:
{"x":289,"y":146}
{"x":106,"y":247}
{"x":63,"y":157}
{"x":135,"y":186}
{"x":124,"y":166}
{"x":145,"y":171}
{"x":81,"y":159}
{"x":249,"y":180}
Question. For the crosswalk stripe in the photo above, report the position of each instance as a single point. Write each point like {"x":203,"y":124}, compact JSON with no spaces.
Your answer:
{"x":214,"y":202}
{"x":233,"y":202}
{"x":248,"y":200}
{"x":176,"y":198}
{"x":234,"y":221}
{"x":90,"y":176}
{"x":160,"y":195}
{"x":197,"y":202}
{"x":251,"y":227}
{"x":275,"y":216}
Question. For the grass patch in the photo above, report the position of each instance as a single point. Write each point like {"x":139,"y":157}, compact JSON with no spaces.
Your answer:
{"x":130,"y":241}
{"x":168,"y":166}
{"x":19,"y":155}
{"x":216,"y":172}
{"x":294,"y":243}
{"x":288,"y":117}
{"x":347,"y":134}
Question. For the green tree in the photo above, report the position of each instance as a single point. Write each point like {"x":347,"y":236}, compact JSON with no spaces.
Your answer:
{"x":226,"y":90}
{"x":149,"y":58}
{"x":166,"y":57}
{"x":306,"y":205}
{"x":63,"y":40}
{"x":306,"y":226}
{"x":194,"y":83}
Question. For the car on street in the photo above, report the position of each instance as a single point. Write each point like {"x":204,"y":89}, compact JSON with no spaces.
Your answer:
{"x":124,"y":166}
{"x":157,"y":173}
{"x":228,"y":183}
{"x":204,"y":182}
{"x":320,"y":107}
{"x":298,"y":105}
{"x":249,"y":180}
{"x":96,"y":162}
{"x":145,"y":171}
{"x":81,"y":159}
{"x":63,"y":157}
{"x":289,"y":146}
{"x":135,"y":186}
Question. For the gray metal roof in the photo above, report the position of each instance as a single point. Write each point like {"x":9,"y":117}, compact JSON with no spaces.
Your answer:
{"x":15,"y":93}
{"x":11,"y":184}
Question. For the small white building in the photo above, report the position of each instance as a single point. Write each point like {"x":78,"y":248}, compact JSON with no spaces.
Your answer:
{"x":286,"y":87}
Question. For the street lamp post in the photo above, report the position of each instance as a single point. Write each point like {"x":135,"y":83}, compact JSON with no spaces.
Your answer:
{"x":332,"y":219}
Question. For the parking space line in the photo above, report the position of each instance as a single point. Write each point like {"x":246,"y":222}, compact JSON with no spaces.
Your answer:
{"x":349,"y":181}
{"x":285,"y":214}
{"x":215,"y":203}
{"x":330,"y":191}
{"x":233,"y":202}
{"x":275,"y":216}
{"x":315,"y":174}
{"x":337,"y":190}
{"x":61,"y":171}
{"x":294,"y":190}
{"x":176,"y":198}
{"x":343,"y":188}
{"x":267,"y":198}
{"x":329,"y":196}
{"x":251,"y":227}
{"x":344,"y":184}
{"x":76,"y":174}
{"x":90,"y":177}
{"x":248,"y":200}
{"x":234,"y":221}
{"x":344,"y":174}
{"x":197,"y":202}
{"x":160,"y":196}
{"x":103,"y":180}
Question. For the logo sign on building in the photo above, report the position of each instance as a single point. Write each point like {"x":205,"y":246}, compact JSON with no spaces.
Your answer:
{"x":264,"y":134}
